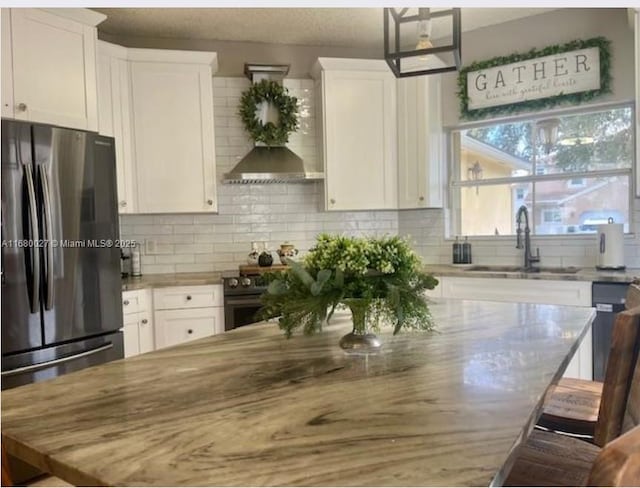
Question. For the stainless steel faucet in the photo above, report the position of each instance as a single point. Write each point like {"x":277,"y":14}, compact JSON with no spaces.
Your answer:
{"x":529,"y":259}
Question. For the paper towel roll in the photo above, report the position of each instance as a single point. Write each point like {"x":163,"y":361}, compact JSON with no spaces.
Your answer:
{"x":610,"y":246}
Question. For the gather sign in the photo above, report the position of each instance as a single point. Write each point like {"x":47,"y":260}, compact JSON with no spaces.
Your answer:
{"x":547,"y":76}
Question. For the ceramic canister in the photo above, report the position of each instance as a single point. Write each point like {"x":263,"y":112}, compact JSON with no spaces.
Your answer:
{"x":610,"y":246}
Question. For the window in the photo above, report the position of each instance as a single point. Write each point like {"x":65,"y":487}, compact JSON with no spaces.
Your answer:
{"x":576,"y":183}
{"x":551,"y":216}
{"x":570,"y":184}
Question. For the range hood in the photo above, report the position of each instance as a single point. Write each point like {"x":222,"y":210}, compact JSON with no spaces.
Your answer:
{"x":269,"y":164}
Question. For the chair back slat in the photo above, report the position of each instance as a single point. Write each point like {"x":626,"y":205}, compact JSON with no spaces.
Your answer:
{"x":617,"y":381}
{"x":632,"y":299}
{"x":618,"y":464}
{"x":632,"y":413}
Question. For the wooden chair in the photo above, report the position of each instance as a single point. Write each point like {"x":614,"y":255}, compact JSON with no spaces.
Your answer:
{"x":6,"y":475}
{"x":552,"y":459}
{"x":574,"y":405}
{"x":619,"y":463}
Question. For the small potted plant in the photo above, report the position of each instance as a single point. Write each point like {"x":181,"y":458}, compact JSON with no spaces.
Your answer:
{"x":379,"y":279}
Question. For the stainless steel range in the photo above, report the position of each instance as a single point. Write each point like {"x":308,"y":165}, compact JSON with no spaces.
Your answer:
{"x":242,"y":300}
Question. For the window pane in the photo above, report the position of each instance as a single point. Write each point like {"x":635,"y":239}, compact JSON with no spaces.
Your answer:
{"x":498,"y":151}
{"x":491,"y":209}
{"x":586,"y":142}
{"x":564,"y":207}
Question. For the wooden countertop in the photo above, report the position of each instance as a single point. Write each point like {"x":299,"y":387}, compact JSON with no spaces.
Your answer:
{"x":251,"y":408}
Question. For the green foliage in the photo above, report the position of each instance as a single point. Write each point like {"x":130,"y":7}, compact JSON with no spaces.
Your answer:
{"x":515,"y":139}
{"x":602,"y":140}
{"x":269,"y":133}
{"x":543,"y":103}
{"x":384,"y":272}
{"x":611,"y":132}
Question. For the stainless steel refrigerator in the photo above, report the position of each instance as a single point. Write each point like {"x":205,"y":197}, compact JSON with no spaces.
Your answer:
{"x":61,"y":284}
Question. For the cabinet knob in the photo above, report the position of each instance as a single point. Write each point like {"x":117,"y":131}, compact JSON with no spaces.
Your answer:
{"x":190,"y":331}
{"x":421,"y":199}
{"x":332,"y":201}
{"x":144,"y":321}
{"x":209,"y":202}
{"x":123,"y":203}
{"x":22,"y":107}
{"x":125,"y":303}
{"x":188,"y":297}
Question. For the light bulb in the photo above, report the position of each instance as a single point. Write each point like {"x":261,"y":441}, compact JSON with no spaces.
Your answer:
{"x":424,"y":33}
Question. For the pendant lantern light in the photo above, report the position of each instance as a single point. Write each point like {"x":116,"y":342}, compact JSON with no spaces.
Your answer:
{"x":409,"y":48}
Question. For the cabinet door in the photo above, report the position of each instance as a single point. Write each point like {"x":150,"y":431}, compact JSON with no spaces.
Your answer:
{"x":179,"y":297}
{"x":173,"y":137}
{"x":7,"y":64}
{"x":218,"y":320}
{"x":131,"y":338}
{"x":178,"y":326}
{"x":146,"y":336}
{"x":114,"y":117}
{"x":359,"y":140}
{"x":54,"y":69}
{"x":420,"y":143}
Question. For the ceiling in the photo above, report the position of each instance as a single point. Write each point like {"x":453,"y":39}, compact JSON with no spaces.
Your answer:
{"x":346,"y":27}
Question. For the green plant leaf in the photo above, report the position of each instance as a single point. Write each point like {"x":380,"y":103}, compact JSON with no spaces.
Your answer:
{"x":276,"y":287}
{"x":302,"y":273}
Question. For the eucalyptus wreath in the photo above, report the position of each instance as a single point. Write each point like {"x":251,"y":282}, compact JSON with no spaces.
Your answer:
{"x":287,"y":105}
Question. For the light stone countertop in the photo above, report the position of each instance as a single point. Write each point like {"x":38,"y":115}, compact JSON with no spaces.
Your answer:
{"x":214,"y":278}
{"x":174,"y":279}
{"x":582,"y":274}
{"x":251,"y":408}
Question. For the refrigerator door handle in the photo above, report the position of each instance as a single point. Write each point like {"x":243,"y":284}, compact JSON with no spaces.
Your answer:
{"x":48,"y":247}
{"x":47,"y":364}
{"x":33,"y":250}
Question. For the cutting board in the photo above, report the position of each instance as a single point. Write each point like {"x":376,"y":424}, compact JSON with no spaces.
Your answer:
{"x":254,"y":269}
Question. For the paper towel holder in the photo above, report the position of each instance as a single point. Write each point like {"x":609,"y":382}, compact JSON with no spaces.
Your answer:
{"x":611,"y":254}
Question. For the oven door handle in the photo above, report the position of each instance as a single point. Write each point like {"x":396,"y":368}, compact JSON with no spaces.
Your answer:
{"x":242,"y":301}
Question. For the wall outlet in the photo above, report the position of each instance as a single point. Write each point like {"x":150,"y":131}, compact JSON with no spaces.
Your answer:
{"x":150,"y":246}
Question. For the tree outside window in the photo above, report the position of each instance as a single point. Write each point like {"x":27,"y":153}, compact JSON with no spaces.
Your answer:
{"x":587,"y":171}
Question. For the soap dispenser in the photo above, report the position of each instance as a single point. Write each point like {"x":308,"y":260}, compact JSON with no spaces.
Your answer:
{"x":457,"y":252}
{"x":466,"y":251}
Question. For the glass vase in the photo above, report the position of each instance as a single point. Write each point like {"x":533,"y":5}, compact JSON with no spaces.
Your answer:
{"x":360,"y":340}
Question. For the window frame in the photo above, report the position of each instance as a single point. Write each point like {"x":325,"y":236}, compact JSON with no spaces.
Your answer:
{"x":453,"y":211}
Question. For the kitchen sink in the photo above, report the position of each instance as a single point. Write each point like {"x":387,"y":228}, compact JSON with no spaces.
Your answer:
{"x":520,"y":269}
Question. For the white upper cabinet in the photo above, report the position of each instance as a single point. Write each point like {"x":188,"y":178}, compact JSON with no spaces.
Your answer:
{"x":173,"y":132}
{"x":358,"y":133}
{"x":420,"y":143}
{"x":114,"y":117}
{"x":53,"y":66}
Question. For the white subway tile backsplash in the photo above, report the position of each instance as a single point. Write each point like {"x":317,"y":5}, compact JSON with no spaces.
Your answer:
{"x":194,"y":268}
{"x":175,"y":258}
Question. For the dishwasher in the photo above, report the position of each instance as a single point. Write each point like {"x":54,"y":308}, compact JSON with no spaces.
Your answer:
{"x":608,"y":299}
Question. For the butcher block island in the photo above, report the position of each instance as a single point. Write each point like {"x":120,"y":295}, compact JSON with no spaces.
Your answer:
{"x":251,"y":408}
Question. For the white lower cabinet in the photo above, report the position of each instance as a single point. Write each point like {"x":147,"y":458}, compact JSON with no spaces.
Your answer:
{"x":573,"y":293}
{"x":138,"y":327}
{"x":186,"y":313}
{"x":178,"y":326}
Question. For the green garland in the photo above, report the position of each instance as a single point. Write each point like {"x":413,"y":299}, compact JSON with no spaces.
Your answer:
{"x":540,"y":104}
{"x":269,"y":133}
